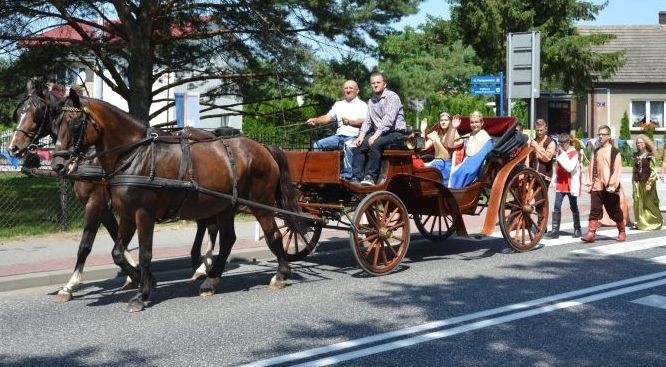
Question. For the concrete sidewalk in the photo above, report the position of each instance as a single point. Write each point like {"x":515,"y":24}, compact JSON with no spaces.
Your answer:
{"x":50,"y":259}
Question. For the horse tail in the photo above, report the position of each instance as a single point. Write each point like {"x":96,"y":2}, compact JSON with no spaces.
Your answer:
{"x":285,"y":194}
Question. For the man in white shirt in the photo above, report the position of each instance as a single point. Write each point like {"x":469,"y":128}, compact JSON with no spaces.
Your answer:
{"x":349,"y":114}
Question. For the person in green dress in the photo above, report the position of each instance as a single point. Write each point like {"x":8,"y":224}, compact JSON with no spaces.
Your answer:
{"x":647,"y":216}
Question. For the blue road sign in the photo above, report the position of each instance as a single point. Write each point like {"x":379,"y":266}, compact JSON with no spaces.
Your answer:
{"x":478,"y":89}
{"x":486,"y":79}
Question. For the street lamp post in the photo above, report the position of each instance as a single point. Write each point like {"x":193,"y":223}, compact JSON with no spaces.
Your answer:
{"x":417,"y":105}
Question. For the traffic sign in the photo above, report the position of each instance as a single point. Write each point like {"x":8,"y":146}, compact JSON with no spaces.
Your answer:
{"x":489,"y":85}
{"x":479,"y":89}
{"x":486,"y":79}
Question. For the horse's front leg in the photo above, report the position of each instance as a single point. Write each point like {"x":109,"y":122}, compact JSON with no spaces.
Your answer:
{"x":200,"y":269}
{"x":120,"y":255}
{"x":145,"y":225}
{"x":91,"y":221}
{"x":225,"y":225}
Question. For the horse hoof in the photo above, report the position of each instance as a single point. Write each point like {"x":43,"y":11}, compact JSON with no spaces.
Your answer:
{"x":277,"y":284}
{"x":206,"y":292}
{"x":134,"y":306}
{"x":208,"y":287}
{"x":62,"y":297}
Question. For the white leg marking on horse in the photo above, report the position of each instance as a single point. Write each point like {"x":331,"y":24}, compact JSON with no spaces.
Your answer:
{"x":65,"y":293}
{"x":209,"y":286}
{"x":276,"y":284}
{"x":130,"y":259}
{"x":200,"y":272}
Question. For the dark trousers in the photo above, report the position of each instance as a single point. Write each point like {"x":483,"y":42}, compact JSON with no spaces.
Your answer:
{"x":608,"y":200}
{"x":374,"y":155}
{"x":573,"y":202}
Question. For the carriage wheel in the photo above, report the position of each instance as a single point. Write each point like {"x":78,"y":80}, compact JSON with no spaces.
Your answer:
{"x":298,"y":245}
{"x":524,"y":210}
{"x":434,"y":227}
{"x":382,"y":235}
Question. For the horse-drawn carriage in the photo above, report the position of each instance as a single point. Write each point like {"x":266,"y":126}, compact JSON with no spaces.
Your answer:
{"x":150,"y":175}
{"x":378,"y":217}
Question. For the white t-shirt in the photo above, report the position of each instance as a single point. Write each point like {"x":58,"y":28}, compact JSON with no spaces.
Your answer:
{"x":352,"y":110}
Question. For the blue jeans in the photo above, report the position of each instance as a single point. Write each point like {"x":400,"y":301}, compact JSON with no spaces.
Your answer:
{"x":374,"y":152}
{"x":573,"y":202}
{"x":338,"y":142}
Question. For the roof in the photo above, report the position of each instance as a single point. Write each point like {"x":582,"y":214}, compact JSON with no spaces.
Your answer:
{"x":644,"y":47}
{"x":62,"y":34}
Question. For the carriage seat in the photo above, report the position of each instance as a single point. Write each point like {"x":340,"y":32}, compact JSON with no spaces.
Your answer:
{"x":505,"y":142}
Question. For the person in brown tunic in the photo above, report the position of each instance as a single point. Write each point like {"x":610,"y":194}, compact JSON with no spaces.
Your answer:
{"x":603,"y":184}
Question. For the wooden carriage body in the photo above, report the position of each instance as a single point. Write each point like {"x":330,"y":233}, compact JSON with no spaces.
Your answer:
{"x":436,"y":209}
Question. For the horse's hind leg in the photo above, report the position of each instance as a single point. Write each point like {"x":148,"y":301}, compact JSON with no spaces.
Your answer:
{"x":274,"y":241}
{"x":225,"y":225}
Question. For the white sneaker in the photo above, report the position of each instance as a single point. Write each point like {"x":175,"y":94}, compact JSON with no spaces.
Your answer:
{"x":368,"y":181}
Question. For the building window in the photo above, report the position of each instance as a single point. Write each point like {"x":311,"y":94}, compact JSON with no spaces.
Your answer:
{"x":653,"y":109}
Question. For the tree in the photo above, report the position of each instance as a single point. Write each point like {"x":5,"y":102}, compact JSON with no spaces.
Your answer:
{"x":625,"y":132}
{"x":131,"y":44}
{"x":430,"y":63}
{"x":11,"y":87}
{"x":567,"y":59}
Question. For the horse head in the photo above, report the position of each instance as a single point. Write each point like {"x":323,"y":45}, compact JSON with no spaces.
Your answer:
{"x":34,"y":116}
{"x":71,"y":128}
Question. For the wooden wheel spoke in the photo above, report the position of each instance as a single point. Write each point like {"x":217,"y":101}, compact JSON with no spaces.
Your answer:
{"x":524,"y":201}
{"x":373,"y":220}
{"x":288,"y":241}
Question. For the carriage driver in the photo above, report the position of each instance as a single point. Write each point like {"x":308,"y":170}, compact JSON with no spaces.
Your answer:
{"x":384,"y":125}
{"x":349,"y":114}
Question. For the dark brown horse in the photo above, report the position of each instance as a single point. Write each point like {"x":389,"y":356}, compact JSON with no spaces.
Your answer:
{"x":143,"y":169}
{"x":34,"y":117}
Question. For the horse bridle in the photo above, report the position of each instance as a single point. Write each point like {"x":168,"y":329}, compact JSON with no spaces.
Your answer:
{"x":41,"y":122}
{"x":82,"y":120}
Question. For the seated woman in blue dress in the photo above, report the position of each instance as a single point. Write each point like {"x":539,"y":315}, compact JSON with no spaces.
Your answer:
{"x":477,"y":146}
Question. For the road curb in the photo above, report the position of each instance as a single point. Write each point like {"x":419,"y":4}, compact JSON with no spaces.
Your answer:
{"x":175,"y":266}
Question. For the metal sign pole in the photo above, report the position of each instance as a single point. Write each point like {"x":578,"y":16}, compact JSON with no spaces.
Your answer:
{"x":509,"y":74}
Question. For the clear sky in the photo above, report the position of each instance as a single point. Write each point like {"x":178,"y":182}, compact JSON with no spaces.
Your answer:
{"x":618,"y":12}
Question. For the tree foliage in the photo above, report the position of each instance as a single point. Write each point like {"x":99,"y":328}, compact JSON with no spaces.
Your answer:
{"x":11,"y":88}
{"x":431,"y":64}
{"x":132,"y":44}
{"x":567,"y":59}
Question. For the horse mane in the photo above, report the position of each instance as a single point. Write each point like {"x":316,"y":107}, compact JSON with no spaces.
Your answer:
{"x":95,"y":104}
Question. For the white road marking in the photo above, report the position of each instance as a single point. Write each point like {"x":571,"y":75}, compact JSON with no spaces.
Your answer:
{"x":623,"y":247}
{"x":547,"y":303}
{"x":652,"y":301}
{"x":659,"y":260}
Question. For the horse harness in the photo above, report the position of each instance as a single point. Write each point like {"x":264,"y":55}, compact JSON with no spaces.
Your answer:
{"x":115,"y":178}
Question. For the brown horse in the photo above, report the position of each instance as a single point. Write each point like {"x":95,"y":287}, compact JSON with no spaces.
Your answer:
{"x":34,"y":117}
{"x":143,"y":169}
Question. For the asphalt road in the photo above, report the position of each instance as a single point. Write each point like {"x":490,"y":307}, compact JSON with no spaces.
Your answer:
{"x":458,"y":303}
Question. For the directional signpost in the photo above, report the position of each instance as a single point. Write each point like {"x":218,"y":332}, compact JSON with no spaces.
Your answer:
{"x":523,"y":65}
{"x":489,"y":85}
